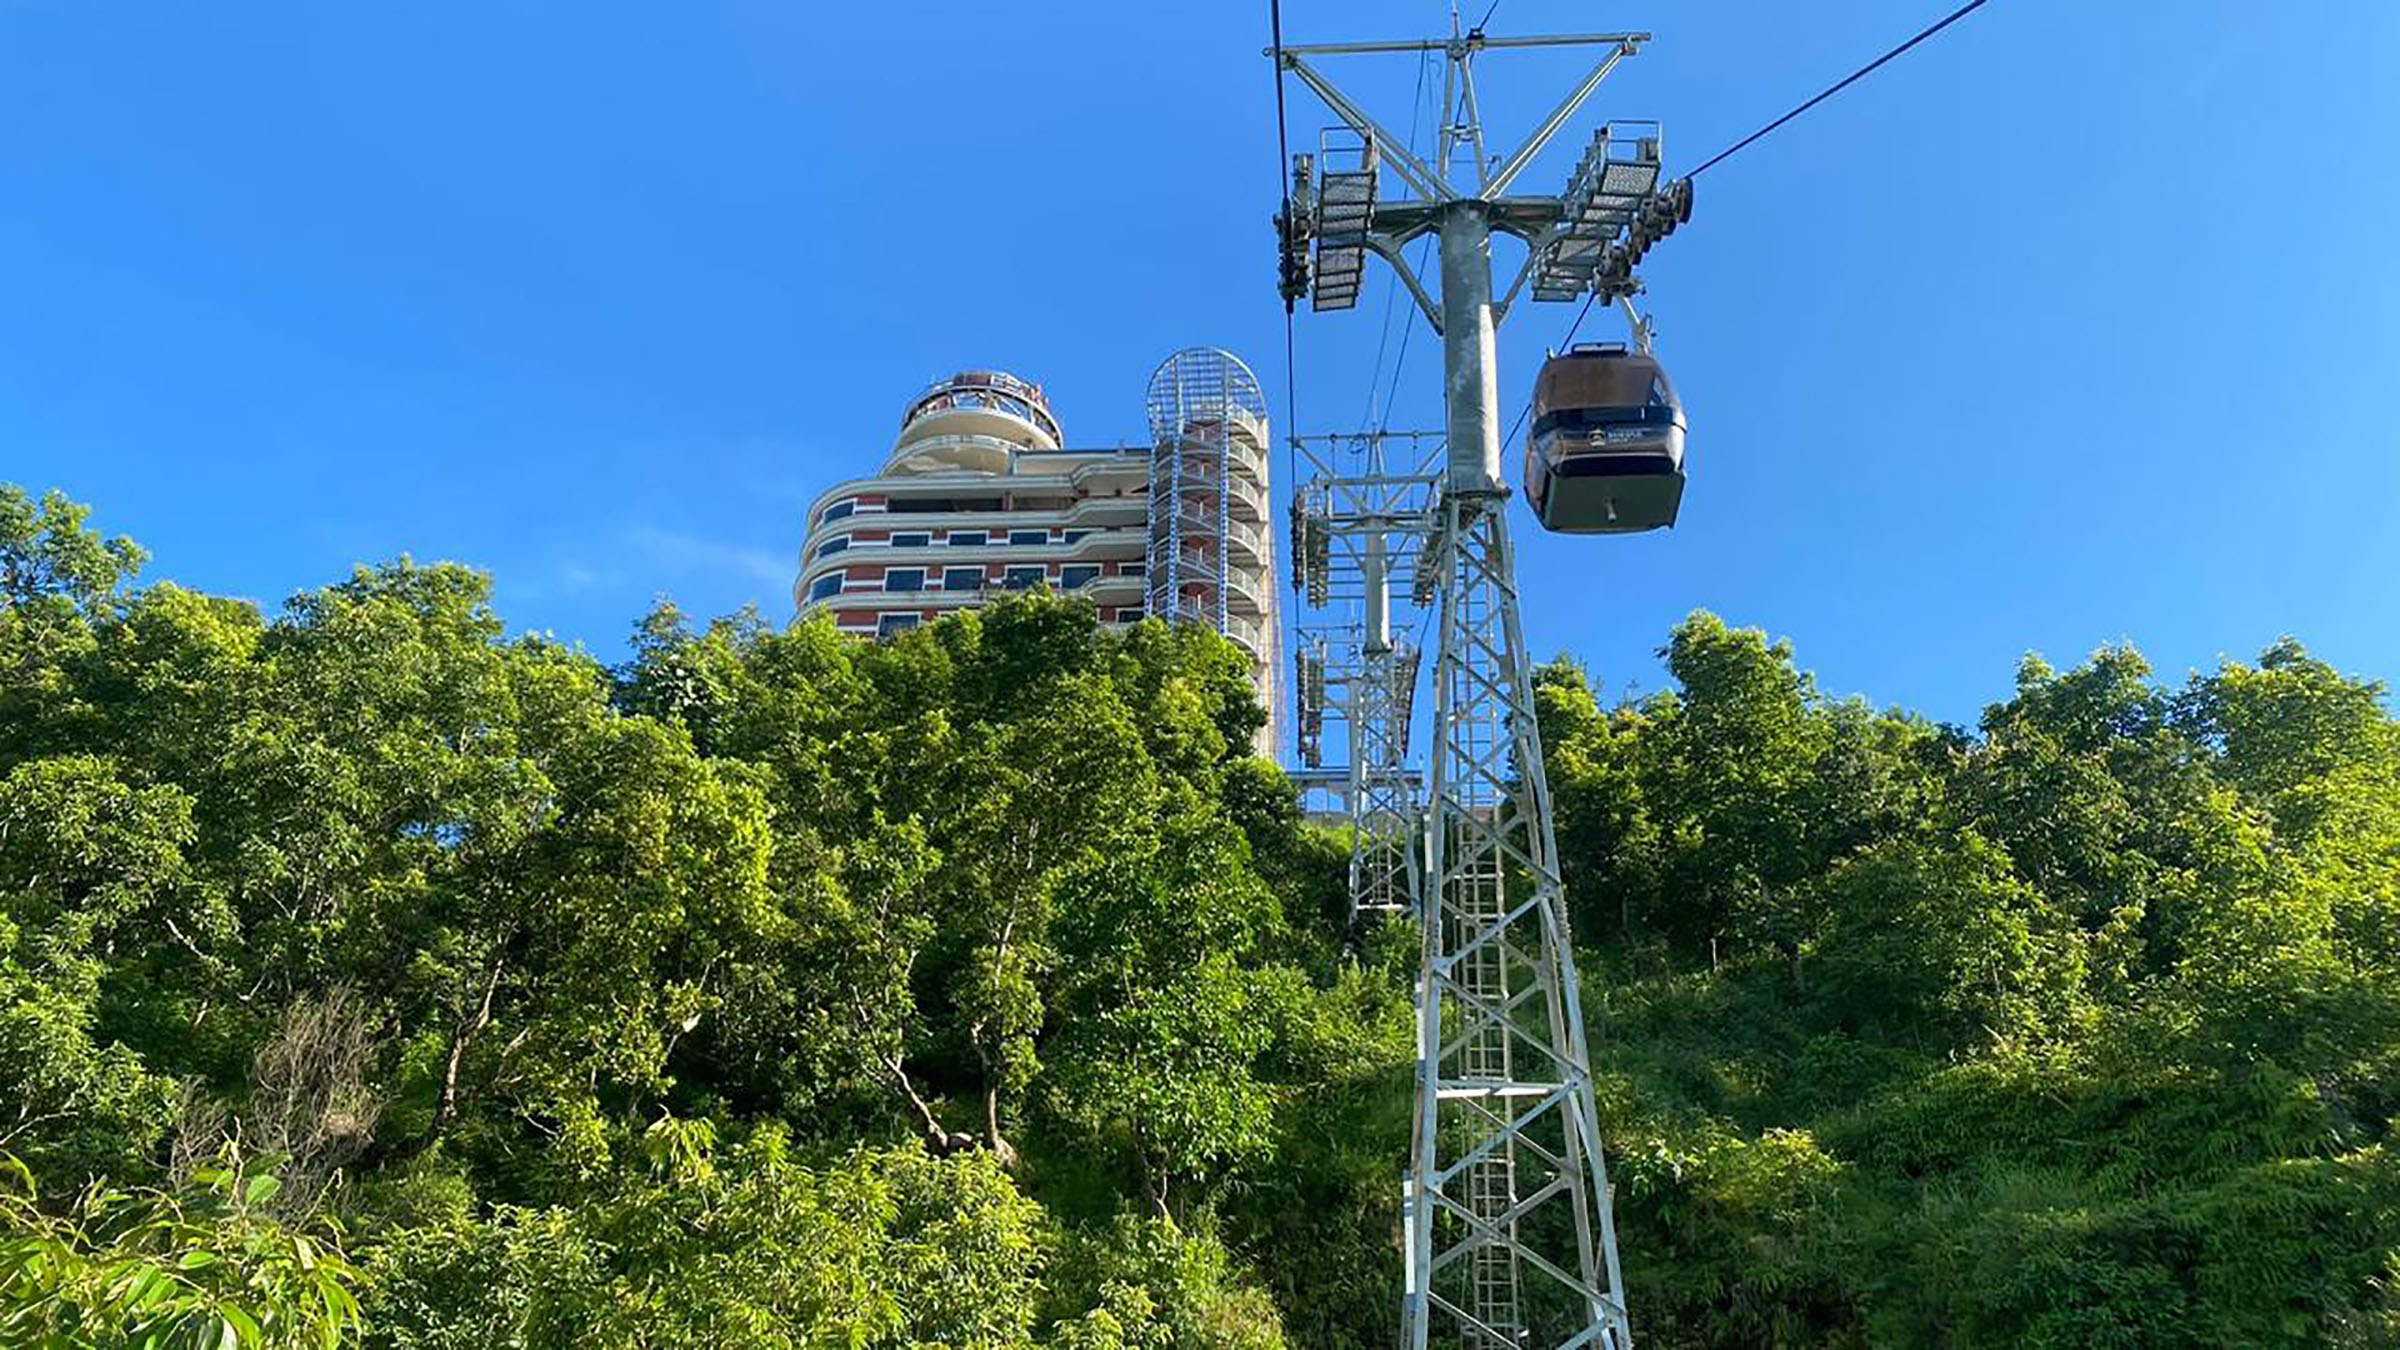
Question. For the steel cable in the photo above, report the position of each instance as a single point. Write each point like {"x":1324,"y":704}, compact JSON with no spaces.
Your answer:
{"x":1728,"y":152}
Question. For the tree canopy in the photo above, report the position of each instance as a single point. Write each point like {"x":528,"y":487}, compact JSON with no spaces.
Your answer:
{"x":369,"y":974}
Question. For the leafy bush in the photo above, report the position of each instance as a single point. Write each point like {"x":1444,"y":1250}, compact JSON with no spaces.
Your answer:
{"x":199,"y":1268}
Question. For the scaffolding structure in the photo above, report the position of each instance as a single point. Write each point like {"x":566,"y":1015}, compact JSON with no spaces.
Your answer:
{"x":1360,"y":517}
{"x":1510,"y":1239}
{"x":1211,"y":559}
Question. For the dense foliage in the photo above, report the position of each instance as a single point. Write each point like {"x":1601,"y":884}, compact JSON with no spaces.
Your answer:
{"x":370,"y":975}
{"x":2077,"y":1032}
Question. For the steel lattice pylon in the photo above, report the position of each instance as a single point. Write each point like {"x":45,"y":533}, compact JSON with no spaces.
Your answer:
{"x":1509,"y":1230}
{"x":1360,"y":517}
{"x":1384,"y":875}
{"x":1510,"y":1241}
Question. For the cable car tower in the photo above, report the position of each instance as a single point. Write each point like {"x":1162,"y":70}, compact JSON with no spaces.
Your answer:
{"x":1361,"y":514}
{"x":1510,"y":1240}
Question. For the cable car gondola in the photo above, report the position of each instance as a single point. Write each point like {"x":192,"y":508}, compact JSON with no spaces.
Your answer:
{"x":1605,"y":455}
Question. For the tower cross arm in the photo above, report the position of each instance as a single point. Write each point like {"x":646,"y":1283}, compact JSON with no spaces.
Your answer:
{"x":1387,"y":146}
{"x":1515,"y":164}
{"x":1464,"y":42}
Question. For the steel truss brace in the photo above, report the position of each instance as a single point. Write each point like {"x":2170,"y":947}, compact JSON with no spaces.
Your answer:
{"x":1511,"y":1239}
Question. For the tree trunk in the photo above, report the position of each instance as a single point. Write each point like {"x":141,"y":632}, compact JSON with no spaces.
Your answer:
{"x":445,"y":1107}
{"x":1003,"y":1150}
{"x":1154,"y":1185}
{"x":943,"y":1142}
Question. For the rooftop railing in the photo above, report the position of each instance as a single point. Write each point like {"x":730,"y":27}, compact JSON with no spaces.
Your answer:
{"x":986,"y":389}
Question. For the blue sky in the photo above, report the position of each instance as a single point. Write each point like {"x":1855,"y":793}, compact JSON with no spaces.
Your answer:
{"x":2072,"y":326}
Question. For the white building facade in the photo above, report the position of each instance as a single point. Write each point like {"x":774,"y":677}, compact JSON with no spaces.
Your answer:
{"x":980,"y":497}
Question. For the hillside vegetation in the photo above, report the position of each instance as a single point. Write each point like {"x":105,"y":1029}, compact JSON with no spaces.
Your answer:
{"x":369,"y":975}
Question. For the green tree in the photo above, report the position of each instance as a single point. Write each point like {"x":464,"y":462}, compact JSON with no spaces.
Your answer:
{"x":1168,"y":1011}
{"x":196,"y":1269}
{"x":1745,"y":742}
{"x":86,"y":862}
{"x":58,"y":580}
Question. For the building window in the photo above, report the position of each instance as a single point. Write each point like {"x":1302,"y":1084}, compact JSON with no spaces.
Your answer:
{"x":1132,"y":569}
{"x":1023,"y":578}
{"x":904,"y":578}
{"x":825,"y":587}
{"x":833,"y":546}
{"x":1076,"y":578}
{"x":839,"y":509}
{"x":897,"y":623}
{"x":1029,"y":536}
{"x":914,"y":539}
{"x":1129,"y":614}
{"x":962,"y":578}
{"x":1074,"y":535}
{"x":968,"y":538}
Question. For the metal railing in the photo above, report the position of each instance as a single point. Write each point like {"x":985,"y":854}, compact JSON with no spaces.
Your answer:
{"x":1246,"y":535}
{"x":1246,"y":459}
{"x":1006,"y":449}
{"x":1248,"y":634}
{"x":1240,"y":490}
{"x":995,"y":389}
{"x":1240,"y":585}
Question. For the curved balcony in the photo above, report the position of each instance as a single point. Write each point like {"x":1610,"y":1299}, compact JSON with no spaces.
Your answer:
{"x":1120,"y":587}
{"x":1199,"y":548}
{"x":1239,"y":584}
{"x":929,"y":597}
{"x":1108,"y":544}
{"x":1195,"y":565}
{"x":1250,"y":459}
{"x":1248,"y":634}
{"x":1239,"y":426}
{"x":1247,"y":502}
{"x":1100,"y":512}
{"x":1243,"y":506}
{"x":1245,"y":539}
{"x":933,"y":560}
{"x":1252,"y":538}
{"x":1130,"y":468}
{"x":1246,"y":459}
{"x":953,"y":452}
{"x":985,"y":402}
{"x":1240,"y":589}
{"x":1207,"y":474}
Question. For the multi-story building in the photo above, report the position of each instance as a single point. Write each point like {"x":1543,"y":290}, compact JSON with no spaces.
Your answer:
{"x":981,"y":496}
